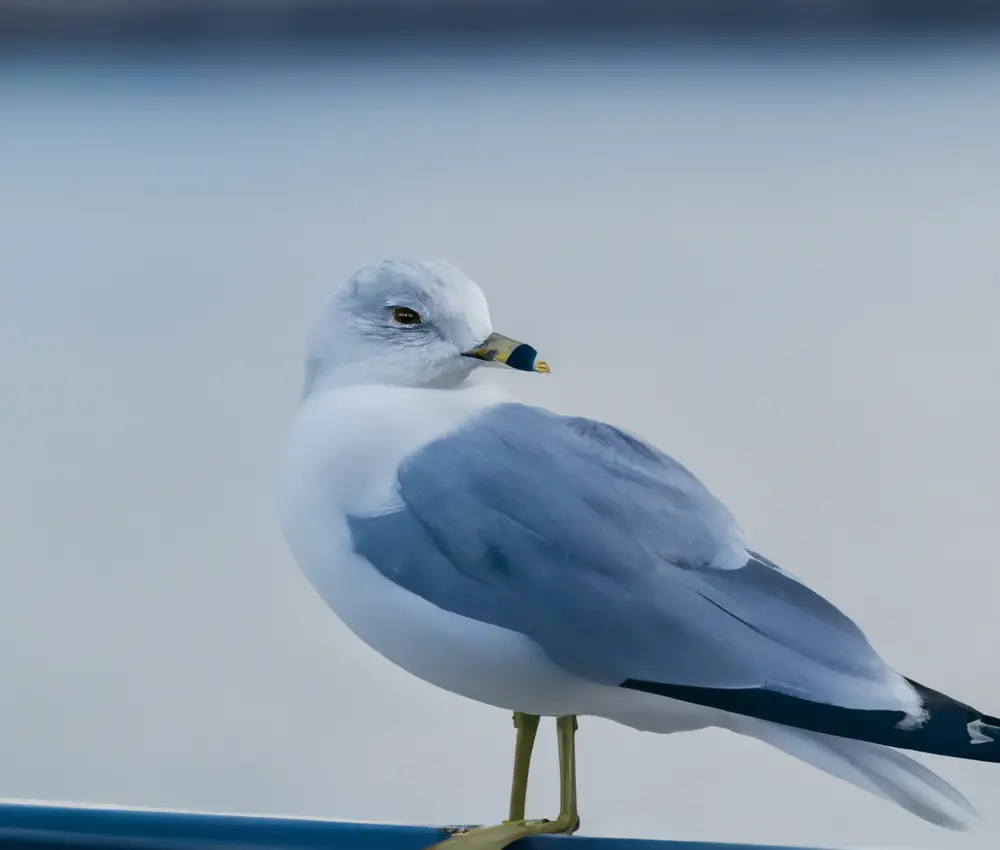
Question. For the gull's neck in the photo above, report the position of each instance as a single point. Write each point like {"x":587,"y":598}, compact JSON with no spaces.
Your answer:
{"x":323,"y":378}
{"x":344,"y":385}
{"x":348,"y":439}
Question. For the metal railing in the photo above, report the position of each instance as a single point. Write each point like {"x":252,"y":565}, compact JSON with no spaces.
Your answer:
{"x":35,"y":825}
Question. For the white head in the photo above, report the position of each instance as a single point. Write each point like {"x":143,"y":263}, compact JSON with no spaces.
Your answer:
{"x":408,"y":323}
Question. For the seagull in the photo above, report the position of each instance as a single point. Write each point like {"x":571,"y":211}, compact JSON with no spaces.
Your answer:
{"x":557,"y":566}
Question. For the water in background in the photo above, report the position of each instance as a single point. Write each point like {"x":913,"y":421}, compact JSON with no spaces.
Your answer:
{"x":781,"y":265}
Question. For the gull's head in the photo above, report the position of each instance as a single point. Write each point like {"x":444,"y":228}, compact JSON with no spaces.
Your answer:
{"x":408,"y":323}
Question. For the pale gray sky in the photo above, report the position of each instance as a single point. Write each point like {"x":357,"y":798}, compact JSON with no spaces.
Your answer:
{"x":783,"y":271}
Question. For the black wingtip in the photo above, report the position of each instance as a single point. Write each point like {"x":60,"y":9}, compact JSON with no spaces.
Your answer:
{"x":958,"y":730}
{"x":951,"y":728}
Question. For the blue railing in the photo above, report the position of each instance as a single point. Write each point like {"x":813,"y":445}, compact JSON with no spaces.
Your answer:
{"x":37,"y":825}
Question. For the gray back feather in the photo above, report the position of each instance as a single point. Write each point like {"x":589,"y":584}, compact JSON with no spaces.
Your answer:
{"x":606,"y":553}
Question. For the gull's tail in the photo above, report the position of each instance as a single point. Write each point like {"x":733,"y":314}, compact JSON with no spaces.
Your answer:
{"x":878,"y":769}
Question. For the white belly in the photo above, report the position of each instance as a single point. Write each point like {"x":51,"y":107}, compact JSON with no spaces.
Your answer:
{"x":464,"y":656}
{"x":332,"y":469}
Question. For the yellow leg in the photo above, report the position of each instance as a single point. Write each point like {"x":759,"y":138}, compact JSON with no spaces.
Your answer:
{"x":499,"y":836}
{"x":527,"y":728}
{"x":569,"y":816}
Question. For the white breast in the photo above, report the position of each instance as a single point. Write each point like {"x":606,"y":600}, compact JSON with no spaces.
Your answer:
{"x":345,"y":448}
{"x":347,"y":443}
{"x":342,"y":458}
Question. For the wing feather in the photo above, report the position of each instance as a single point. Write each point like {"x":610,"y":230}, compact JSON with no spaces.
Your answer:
{"x":615,"y":560}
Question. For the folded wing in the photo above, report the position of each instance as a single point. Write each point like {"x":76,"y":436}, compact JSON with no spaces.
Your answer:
{"x":616,"y":561}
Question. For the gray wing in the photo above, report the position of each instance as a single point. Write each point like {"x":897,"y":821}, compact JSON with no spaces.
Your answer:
{"x":612,"y":557}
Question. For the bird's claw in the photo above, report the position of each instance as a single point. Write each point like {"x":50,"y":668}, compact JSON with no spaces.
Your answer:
{"x":459,"y":828}
{"x":498,"y":836}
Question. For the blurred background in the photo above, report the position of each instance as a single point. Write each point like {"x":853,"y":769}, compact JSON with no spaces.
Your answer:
{"x":760,"y":234}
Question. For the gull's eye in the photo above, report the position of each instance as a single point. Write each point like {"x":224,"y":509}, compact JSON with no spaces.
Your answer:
{"x":406,"y":316}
